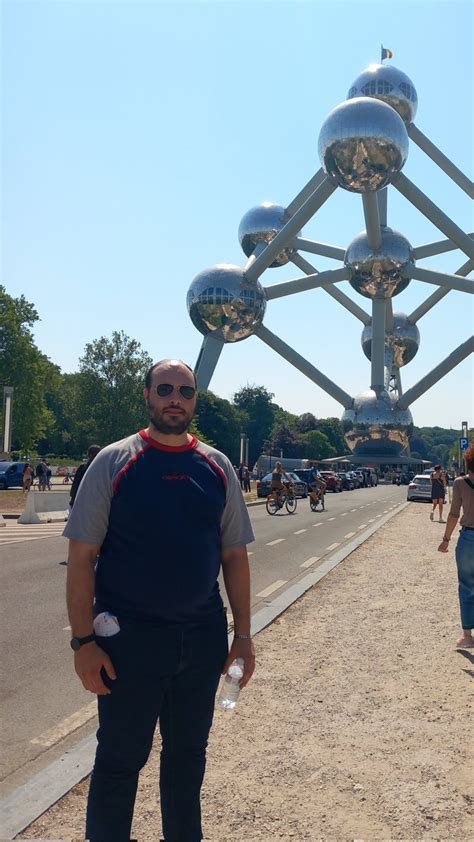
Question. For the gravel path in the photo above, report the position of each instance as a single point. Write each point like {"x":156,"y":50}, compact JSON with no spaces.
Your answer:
{"x":356,"y":724}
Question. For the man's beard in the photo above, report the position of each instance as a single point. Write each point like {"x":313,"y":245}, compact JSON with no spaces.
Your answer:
{"x":175,"y":428}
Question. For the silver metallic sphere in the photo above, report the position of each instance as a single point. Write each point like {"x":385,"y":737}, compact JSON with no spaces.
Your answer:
{"x":260,"y":225}
{"x":363,"y":143}
{"x":222,"y":301}
{"x":403,"y":341}
{"x":376,"y":425}
{"x":378,"y":273}
{"x":386,"y":82}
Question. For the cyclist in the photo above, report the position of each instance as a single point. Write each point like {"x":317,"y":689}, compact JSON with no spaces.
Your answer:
{"x":317,"y":486}
{"x":279,"y":488}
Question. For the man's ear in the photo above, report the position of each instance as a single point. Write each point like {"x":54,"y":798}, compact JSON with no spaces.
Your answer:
{"x":146,"y":392}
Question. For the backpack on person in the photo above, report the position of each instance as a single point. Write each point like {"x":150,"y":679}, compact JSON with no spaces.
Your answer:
{"x":39,"y":470}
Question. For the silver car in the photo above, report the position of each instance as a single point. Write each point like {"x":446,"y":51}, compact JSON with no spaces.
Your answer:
{"x":419,"y":488}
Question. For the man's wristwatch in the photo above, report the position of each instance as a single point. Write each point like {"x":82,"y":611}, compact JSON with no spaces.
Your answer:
{"x":77,"y":642}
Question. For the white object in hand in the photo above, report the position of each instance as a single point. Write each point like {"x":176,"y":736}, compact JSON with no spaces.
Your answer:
{"x":106,"y":624}
{"x":230,"y":686}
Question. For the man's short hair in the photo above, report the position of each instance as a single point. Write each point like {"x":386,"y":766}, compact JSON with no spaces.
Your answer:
{"x":149,"y":374}
{"x":93,"y":450}
{"x":469,"y":457}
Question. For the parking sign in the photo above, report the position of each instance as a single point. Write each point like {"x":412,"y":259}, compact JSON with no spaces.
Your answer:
{"x":463,"y":443}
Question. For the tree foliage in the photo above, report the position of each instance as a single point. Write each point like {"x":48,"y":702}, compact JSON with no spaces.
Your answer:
{"x":221,"y":422}
{"x":256,"y":402}
{"x":111,"y":387}
{"x":25,"y":368}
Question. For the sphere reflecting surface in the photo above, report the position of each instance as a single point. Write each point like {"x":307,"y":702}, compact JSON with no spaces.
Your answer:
{"x":403,"y":340}
{"x":376,"y":425}
{"x":260,"y":225}
{"x":363,"y":143}
{"x":379,"y":273}
{"x":388,"y":83}
{"x":220,"y":300}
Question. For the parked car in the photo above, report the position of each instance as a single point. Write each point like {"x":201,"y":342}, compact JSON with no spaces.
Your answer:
{"x":11,"y":474}
{"x":332,"y":481}
{"x":361,"y":478}
{"x":419,"y":488}
{"x":356,"y":479}
{"x":346,"y":479}
{"x":305,"y":474}
{"x":264,"y":486}
{"x":371,"y":476}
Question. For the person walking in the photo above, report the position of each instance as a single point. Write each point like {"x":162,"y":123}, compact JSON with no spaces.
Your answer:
{"x":28,"y":476}
{"x":92,"y":452}
{"x":247,"y":487}
{"x":438,"y":485}
{"x":463,"y":498}
{"x":163,"y":512}
{"x":41,"y":475}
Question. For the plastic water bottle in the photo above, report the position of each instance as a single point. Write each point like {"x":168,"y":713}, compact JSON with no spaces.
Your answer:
{"x":230,"y":686}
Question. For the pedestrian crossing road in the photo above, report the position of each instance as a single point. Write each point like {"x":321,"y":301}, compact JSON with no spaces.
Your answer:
{"x":15,"y":533}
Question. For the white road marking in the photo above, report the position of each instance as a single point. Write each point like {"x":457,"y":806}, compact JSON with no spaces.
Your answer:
{"x":385,"y":511}
{"x":67,"y":726}
{"x":349,"y":535}
{"x":344,"y":514}
{"x":353,"y":510}
{"x":371,"y":520}
{"x":317,"y":524}
{"x":273,"y":587}
{"x":362,"y":526}
{"x":67,"y":628}
{"x":299,"y":532}
{"x":331,"y":518}
{"x":249,"y":553}
{"x":332,"y":547}
{"x":310,"y":561}
{"x":278,"y":541}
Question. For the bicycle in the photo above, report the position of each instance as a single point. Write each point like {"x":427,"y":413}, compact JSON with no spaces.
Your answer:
{"x":316,"y":497}
{"x":276,"y":501}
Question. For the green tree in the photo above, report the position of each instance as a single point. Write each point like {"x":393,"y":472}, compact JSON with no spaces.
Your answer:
{"x":25,"y":368}
{"x":332,"y":429}
{"x":285,"y":438}
{"x":221,"y":423}
{"x":317,"y":445}
{"x":306,"y":422}
{"x":109,"y":399}
{"x":256,"y":402}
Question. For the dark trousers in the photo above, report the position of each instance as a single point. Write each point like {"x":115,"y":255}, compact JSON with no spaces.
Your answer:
{"x":168,"y":675}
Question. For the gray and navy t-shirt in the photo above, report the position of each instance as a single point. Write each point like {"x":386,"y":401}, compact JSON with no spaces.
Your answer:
{"x":162,"y":516}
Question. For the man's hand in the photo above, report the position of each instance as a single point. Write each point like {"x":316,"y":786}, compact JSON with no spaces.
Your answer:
{"x":242,"y":649}
{"x":443,"y":547}
{"x":88,"y":662}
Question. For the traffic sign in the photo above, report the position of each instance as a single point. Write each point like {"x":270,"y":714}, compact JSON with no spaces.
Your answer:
{"x":463,"y":443}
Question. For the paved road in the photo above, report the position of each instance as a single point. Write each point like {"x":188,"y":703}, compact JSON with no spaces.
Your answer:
{"x":44,"y":709}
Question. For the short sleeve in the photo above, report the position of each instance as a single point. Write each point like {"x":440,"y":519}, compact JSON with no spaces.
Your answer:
{"x":236,"y":528}
{"x":88,"y":521}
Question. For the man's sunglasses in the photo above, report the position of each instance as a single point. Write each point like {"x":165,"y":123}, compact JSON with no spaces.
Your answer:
{"x":164,"y":389}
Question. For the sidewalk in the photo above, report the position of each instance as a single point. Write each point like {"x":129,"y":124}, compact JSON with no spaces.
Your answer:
{"x":356,"y":724}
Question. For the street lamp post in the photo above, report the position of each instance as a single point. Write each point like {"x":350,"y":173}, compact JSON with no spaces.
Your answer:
{"x":7,"y":417}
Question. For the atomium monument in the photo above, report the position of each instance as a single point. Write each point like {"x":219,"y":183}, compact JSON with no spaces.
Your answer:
{"x":363,"y":146}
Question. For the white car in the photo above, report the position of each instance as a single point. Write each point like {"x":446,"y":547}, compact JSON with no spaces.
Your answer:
{"x":419,"y":488}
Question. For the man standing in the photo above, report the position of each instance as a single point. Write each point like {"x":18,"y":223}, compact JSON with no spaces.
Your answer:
{"x":92,"y":452}
{"x":162,"y":511}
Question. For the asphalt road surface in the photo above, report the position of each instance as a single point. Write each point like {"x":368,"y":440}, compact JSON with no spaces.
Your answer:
{"x":45,"y":711}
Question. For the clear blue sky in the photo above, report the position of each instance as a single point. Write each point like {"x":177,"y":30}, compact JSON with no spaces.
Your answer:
{"x":136,"y":135}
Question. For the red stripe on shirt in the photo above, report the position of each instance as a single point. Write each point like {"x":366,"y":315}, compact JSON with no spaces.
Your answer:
{"x":123,"y":471}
